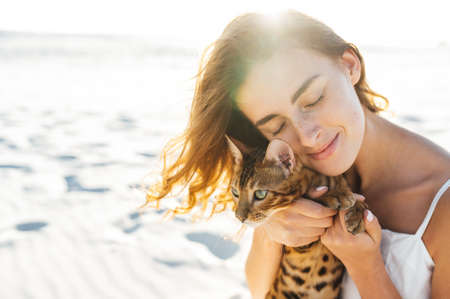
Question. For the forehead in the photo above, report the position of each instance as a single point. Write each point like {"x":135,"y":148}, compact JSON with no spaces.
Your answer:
{"x":278,"y":77}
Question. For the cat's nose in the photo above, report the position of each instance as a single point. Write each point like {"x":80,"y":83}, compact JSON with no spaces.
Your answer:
{"x":241,"y":217}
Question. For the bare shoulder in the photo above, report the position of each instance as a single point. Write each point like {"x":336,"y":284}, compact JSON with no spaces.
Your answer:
{"x":425,"y":169}
{"x":403,"y":198}
{"x":434,"y":237}
{"x":438,"y":245}
{"x":438,"y":161}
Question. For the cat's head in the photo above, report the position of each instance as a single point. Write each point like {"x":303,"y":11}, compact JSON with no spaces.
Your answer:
{"x":260,"y":182}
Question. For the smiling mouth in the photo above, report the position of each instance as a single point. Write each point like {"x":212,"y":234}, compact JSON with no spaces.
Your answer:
{"x":325,"y":147}
{"x":327,"y":151}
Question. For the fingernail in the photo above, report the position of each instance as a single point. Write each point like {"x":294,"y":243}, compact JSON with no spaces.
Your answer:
{"x":321,"y":188}
{"x":369,"y":216}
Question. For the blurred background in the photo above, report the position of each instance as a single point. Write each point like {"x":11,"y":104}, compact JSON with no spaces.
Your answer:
{"x":90,"y":91}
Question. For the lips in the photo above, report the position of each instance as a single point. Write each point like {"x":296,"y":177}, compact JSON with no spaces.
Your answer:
{"x":323,"y":148}
{"x":327,"y":151}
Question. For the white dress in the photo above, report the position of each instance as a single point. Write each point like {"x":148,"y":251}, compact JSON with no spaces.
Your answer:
{"x":406,"y":259}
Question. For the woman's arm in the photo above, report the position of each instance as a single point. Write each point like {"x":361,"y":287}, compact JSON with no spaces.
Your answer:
{"x":262,"y":264}
{"x":374,"y":282}
{"x":361,"y":256}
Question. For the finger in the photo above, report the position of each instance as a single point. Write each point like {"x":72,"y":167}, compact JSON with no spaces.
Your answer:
{"x":359,"y":196}
{"x":312,"y":209}
{"x":280,"y":231}
{"x":342,"y":225}
{"x":329,"y":234}
{"x":302,"y":241}
{"x":310,"y":232}
{"x":315,"y":192}
{"x":320,"y":222}
{"x":372,"y":226}
{"x":294,"y":218}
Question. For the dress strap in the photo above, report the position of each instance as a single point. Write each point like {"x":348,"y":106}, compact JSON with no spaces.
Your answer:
{"x":438,"y":195}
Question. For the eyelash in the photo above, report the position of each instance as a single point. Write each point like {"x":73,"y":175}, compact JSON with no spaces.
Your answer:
{"x":283,"y":124}
{"x":310,"y":105}
{"x":279,"y":130}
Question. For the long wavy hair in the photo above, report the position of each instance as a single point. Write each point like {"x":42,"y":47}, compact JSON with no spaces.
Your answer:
{"x":198,"y":158}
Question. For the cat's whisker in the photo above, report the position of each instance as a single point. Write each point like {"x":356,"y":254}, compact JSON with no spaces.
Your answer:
{"x":236,"y":237}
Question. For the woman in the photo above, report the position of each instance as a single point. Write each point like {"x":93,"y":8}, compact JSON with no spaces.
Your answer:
{"x":294,"y":79}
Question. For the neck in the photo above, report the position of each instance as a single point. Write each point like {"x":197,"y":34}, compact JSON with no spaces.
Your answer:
{"x":378,"y":157}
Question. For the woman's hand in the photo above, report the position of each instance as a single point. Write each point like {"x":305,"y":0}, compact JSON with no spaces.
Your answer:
{"x":300,"y":223}
{"x":361,"y":250}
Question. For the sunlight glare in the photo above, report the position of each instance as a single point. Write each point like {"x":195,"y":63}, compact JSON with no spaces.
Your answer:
{"x":273,"y":17}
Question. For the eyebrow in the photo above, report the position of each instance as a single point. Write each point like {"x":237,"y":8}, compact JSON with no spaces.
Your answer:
{"x":294,"y":98}
{"x":303,"y":88}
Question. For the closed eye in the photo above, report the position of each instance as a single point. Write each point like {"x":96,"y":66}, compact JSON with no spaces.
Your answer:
{"x":284,"y":123}
{"x":310,"y":105}
{"x":279,"y":129}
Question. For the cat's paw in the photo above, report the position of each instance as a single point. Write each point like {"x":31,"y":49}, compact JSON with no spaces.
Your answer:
{"x":354,"y":217}
{"x":347,"y":201}
{"x":331,"y":202}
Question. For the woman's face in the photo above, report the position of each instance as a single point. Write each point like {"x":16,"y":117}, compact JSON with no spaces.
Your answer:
{"x":307,"y":100}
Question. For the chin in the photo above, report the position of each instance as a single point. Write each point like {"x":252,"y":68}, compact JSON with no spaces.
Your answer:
{"x":333,"y":172}
{"x":333,"y":168}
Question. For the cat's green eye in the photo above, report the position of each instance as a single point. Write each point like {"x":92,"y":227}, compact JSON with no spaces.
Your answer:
{"x":260,"y":194}
{"x":234,"y":192}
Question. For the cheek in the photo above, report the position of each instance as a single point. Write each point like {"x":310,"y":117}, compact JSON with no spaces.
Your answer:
{"x":357,"y":116}
{"x":347,"y":111}
{"x":354,"y":117}
{"x":288,"y":135}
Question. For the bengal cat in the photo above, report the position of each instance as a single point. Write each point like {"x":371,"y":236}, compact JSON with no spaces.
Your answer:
{"x":264,"y":180}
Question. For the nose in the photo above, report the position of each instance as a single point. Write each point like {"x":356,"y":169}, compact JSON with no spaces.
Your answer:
{"x":307,"y":131}
{"x":242,"y":210}
{"x":241,"y":216}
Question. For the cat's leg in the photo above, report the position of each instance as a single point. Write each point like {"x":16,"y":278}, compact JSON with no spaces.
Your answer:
{"x":354,"y":209}
{"x":330,"y":201}
{"x":347,"y":200}
{"x":354,"y":217}
{"x":339,"y":195}
{"x":337,"y":200}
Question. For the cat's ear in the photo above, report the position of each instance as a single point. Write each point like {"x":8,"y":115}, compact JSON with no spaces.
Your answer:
{"x":235,"y":151}
{"x":283,"y":155}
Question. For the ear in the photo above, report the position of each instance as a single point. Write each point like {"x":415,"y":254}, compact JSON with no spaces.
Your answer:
{"x":352,"y":65}
{"x":235,"y":152}
{"x":282,"y":154}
